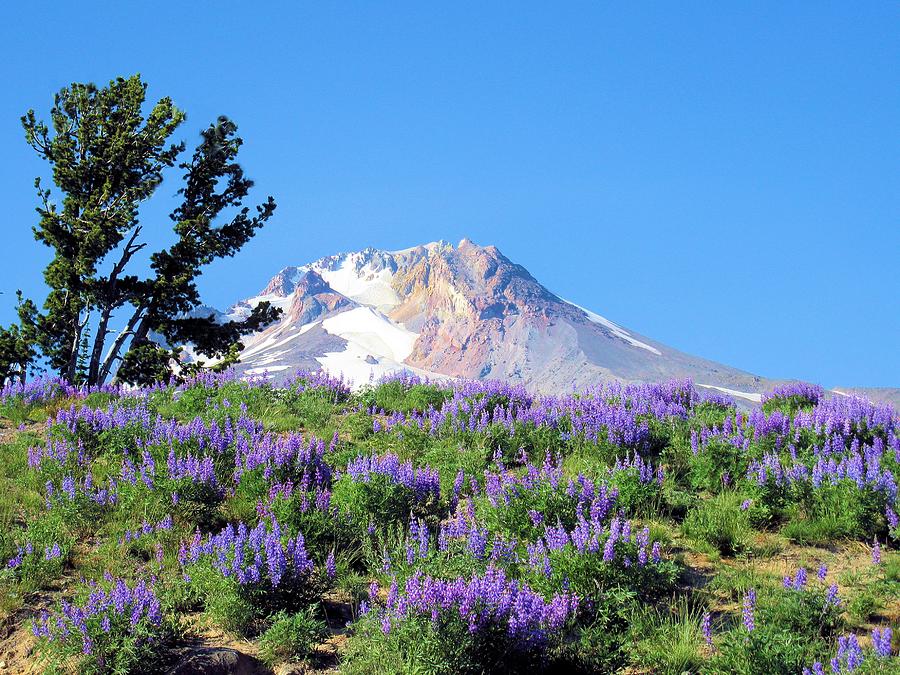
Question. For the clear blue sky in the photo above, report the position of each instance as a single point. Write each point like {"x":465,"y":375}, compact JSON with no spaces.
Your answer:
{"x":721,"y":178}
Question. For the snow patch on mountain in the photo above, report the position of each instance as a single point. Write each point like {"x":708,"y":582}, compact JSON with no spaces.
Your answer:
{"x":364,"y":284}
{"x":273,"y":342}
{"x":376,"y":346}
{"x":265,"y":370}
{"x":374,"y":331}
{"x":618,"y":331}
{"x":428,"y":247}
{"x":756,"y":398}
{"x":241,"y":310}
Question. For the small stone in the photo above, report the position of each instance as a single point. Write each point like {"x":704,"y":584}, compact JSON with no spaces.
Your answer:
{"x":217,"y":661}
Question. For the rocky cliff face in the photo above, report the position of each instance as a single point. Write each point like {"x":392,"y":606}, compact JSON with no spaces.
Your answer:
{"x":458,"y":311}
{"x":313,"y":299}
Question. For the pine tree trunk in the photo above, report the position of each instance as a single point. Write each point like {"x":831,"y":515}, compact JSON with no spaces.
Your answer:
{"x":72,"y":364}
{"x":116,"y":347}
{"x":97,"y":350}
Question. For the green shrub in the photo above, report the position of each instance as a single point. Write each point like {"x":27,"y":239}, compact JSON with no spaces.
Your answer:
{"x":381,"y":500}
{"x":636,"y":498}
{"x":241,"y":576}
{"x":115,"y":627}
{"x":720,"y":523}
{"x":715,"y":460}
{"x":395,"y":397}
{"x":291,"y":637}
{"x":793,"y":628}
{"x":834,"y":512}
{"x":18,"y":410}
{"x":244,"y":608}
{"x":864,"y":605}
{"x":807,"y":613}
{"x":420,"y":645}
{"x":43,"y":550}
{"x":587,"y":575}
{"x":599,"y":640}
{"x":768,"y":650}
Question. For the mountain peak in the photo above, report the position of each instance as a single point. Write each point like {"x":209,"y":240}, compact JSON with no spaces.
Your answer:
{"x":445,"y":311}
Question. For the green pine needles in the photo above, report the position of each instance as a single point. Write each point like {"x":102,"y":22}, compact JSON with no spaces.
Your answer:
{"x":105,"y":313}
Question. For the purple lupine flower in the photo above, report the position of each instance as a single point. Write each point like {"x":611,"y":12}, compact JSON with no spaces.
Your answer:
{"x":823,"y":572}
{"x":127,"y":606}
{"x":17,"y":559}
{"x":609,"y":550}
{"x":849,"y":654}
{"x":876,"y":553}
{"x":457,"y":486}
{"x":423,"y":482}
{"x":260,"y":555}
{"x":642,"y":555}
{"x":536,"y":517}
{"x":749,"y":605}
{"x":881,"y":641}
{"x":892,"y":518}
{"x":68,"y":486}
{"x":483,"y":601}
{"x":477,"y":541}
{"x":746,"y":504}
{"x":706,"y":627}
{"x":330,"y":568}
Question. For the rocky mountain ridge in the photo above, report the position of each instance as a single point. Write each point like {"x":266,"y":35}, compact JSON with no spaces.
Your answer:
{"x":454,"y":311}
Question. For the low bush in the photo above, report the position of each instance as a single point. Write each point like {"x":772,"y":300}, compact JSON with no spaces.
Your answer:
{"x":291,"y":637}
{"x":114,"y":627}
{"x":721,"y":523}
{"x":243,"y":575}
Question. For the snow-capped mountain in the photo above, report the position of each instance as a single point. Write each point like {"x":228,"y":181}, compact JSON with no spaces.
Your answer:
{"x":463,"y":311}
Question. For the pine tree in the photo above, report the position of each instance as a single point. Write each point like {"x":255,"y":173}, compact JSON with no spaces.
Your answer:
{"x":107,"y":160}
{"x":18,"y":342}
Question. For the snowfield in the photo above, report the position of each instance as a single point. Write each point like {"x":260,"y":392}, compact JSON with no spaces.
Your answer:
{"x":375,"y":346}
{"x":366,"y":286}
